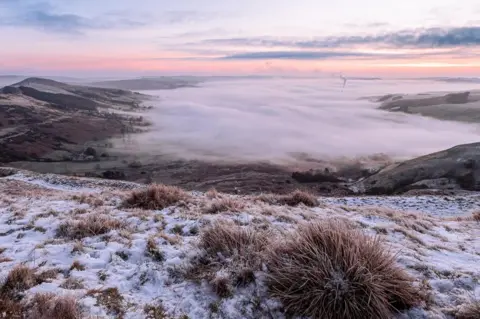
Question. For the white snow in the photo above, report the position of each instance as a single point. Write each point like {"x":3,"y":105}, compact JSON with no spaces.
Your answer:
{"x":431,"y":243}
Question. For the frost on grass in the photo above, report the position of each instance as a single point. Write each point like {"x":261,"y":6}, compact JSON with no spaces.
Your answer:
{"x":331,"y":270}
{"x":470,"y":311}
{"x":155,"y":196}
{"x":183,"y":261}
{"x":231,"y":255}
{"x":92,"y":225}
{"x":292,"y":199}
{"x":223,"y":205}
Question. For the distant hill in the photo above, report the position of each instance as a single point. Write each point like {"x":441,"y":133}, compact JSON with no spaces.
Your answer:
{"x":39,"y":116}
{"x":162,"y":83}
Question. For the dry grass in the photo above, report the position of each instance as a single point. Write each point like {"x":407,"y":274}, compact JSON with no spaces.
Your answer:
{"x":233,"y":251}
{"x":72,"y":283}
{"x":18,"y":280}
{"x":78,"y":247}
{"x":111,"y":299}
{"x":49,"y":306}
{"x":409,"y":235}
{"x":293,"y":199}
{"x":212,"y":193}
{"x":476,"y":216}
{"x":224,"y":205}
{"x":331,"y":270}
{"x":10,"y":308}
{"x":153,"y":251}
{"x":156,"y":196}
{"x":171,"y":239}
{"x":221,"y":285}
{"x":76,"y":265}
{"x":92,"y":225}
{"x":470,"y":311}
{"x":22,"y":278}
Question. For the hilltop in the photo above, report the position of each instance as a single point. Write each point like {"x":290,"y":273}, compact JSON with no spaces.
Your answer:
{"x":118,"y":252}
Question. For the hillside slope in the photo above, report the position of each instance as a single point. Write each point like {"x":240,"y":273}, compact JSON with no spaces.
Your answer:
{"x":41,"y":116}
{"x":79,"y":239}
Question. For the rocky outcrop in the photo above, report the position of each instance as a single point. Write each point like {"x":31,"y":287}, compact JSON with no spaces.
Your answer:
{"x":458,"y":167}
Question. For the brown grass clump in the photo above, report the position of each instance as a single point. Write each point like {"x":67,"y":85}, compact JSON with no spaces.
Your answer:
{"x":10,"y":308}
{"x":76,"y":265}
{"x":476,"y":216}
{"x":331,"y":270}
{"x":221,"y":285}
{"x":156,"y":196}
{"x":92,"y":225}
{"x":293,"y":199}
{"x":299,"y":197}
{"x":153,"y":251}
{"x":111,"y":299}
{"x":224,"y":205}
{"x":18,"y":279}
{"x":212,"y":193}
{"x":234,"y":251}
{"x":470,"y":311}
{"x":49,"y":306}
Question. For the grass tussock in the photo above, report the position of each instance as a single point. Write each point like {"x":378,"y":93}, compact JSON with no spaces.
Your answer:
{"x":476,"y":216}
{"x":331,"y":270}
{"x":224,"y":205}
{"x":231,"y":255}
{"x":295,"y":198}
{"x":153,"y":251}
{"x":155,"y":196}
{"x":10,"y":308}
{"x":111,"y":299}
{"x":92,"y":225}
{"x":49,"y":306}
{"x":76,"y":265}
{"x":470,"y":311}
{"x":212,"y":193}
{"x":18,"y":280}
{"x":13,"y":304}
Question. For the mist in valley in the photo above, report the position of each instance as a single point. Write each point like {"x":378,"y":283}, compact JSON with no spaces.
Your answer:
{"x":288,"y":121}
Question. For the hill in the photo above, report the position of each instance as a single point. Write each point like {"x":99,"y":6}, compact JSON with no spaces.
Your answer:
{"x":108,"y":249}
{"x":160,"y":83}
{"x":41,"y":116}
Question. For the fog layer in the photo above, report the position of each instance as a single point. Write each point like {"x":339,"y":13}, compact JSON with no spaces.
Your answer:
{"x":281,"y":119}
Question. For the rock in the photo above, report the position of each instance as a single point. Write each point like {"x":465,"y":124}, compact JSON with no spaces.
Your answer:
{"x":113,"y":175}
{"x":453,"y":168}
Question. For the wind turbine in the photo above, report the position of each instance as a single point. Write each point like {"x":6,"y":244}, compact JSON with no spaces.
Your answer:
{"x":344,"y":80}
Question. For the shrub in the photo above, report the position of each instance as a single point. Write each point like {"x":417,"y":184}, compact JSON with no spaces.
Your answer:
{"x":92,"y":225}
{"x":331,"y":270}
{"x":155,"y":196}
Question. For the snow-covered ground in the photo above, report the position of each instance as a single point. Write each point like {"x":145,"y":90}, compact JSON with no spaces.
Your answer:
{"x":434,"y":238}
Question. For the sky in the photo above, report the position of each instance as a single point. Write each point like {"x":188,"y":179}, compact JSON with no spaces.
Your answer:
{"x":159,"y":37}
